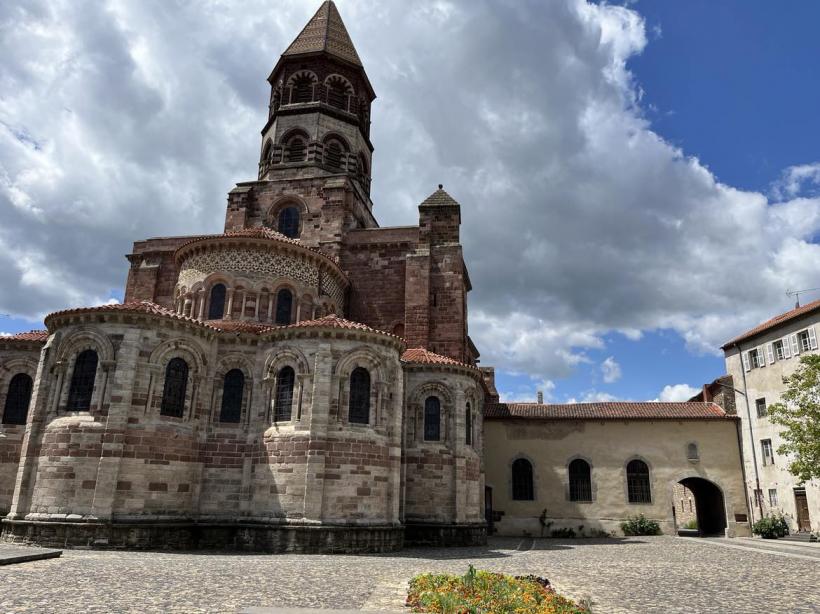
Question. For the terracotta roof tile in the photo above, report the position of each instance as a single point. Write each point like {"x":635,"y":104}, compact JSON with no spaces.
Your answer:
{"x":132,"y":307}
{"x":627,"y":410}
{"x":32,"y":335}
{"x":426,"y":357}
{"x":334,"y":321}
{"x":775,"y":321}
{"x":240,"y":326}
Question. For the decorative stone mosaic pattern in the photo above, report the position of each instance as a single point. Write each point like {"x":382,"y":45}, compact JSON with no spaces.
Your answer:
{"x":256,"y":264}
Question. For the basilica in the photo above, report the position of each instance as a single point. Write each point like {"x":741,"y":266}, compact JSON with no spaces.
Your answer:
{"x":304,"y":381}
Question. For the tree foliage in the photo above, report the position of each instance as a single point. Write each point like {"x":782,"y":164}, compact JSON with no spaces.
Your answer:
{"x":799,"y":413}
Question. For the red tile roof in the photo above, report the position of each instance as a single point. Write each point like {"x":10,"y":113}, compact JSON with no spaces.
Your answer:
{"x":426,"y":357}
{"x":240,"y":326}
{"x":32,"y":335}
{"x":628,"y":410}
{"x":775,"y":321}
{"x":133,"y":307}
{"x":334,"y":321}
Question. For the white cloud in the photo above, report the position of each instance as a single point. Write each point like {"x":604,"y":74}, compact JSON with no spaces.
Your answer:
{"x":611,"y":370}
{"x":594,"y":396}
{"x":115,"y":127}
{"x":677,"y":392}
{"x":797,"y":180}
{"x":529,"y":392}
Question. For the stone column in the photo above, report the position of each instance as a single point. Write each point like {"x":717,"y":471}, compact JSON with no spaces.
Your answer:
{"x":229,"y":311}
{"x":318,"y":420}
{"x":244,"y":304}
{"x":201,"y":315}
{"x":120,"y":388}
{"x":458,"y":445}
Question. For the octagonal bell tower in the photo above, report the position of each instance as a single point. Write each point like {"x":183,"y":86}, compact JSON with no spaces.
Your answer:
{"x":316,"y":155}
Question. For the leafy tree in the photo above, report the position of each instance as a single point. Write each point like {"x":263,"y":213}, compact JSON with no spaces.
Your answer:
{"x":799,"y":413}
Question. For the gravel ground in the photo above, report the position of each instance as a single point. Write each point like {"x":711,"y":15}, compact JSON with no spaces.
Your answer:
{"x":654,"y":574}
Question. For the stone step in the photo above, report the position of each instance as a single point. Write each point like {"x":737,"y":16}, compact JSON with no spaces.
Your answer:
{"x":9,"y":555}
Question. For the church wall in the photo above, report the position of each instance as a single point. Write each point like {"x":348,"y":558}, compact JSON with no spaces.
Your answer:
{"x":443,"y":479}
{"x":608,"y":446}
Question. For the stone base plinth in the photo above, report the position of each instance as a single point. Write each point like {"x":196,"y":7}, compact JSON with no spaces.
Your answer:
{"x":194,"y":536}
{"x":443,"y":535}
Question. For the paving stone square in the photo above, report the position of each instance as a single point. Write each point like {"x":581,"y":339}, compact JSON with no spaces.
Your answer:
{"x":640,"y":575}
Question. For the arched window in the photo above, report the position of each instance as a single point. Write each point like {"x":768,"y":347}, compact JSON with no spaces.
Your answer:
{"x":359,"y":410}
{"x":296,"y":149}
{"x":17,"y":399}
{"x":333,"y":155}
{"x":283,"y":404}
{"x":233,"y":388}
{"x":337,"y":92}
{"x":216,"y":309}
{"x":580,"y":481}
{"x":82,"y":381}
{"x":176,"y":385}
{"x":432,"y":419}
{"x":288,"y":222}
{"x":637,"y":482}
{"x":267,"y":151}
{"x":522,"y":480}
{"x":302,"y":88}
{"x":284,"y":306}
{"x":468,"y":421}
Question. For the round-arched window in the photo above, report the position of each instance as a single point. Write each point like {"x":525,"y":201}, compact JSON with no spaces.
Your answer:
{"x":288,"y":222}
{"x":216,"y":308}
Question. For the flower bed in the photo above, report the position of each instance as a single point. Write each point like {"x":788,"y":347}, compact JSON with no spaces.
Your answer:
{"x":479,"y":592}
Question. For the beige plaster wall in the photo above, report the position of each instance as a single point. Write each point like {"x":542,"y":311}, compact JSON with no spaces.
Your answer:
{"x":608,"y":445}
{"x":767,"y":383}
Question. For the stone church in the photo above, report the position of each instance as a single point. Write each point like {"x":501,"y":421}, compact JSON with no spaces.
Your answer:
{"x":305,"y":380}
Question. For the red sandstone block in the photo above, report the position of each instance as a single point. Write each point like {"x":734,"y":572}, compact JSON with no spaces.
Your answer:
{"x":123,"y":485}
{"x":89,"y":484}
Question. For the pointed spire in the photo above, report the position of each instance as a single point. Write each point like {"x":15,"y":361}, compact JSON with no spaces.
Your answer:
{"x":325,"y":32}
{"x":440,"y":198}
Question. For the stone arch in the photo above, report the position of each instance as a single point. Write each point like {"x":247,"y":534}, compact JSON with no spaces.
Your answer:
{"x":85,"y":339}
{"x":416,"y":401}
{"x":179,"y":348}
{"x":160,"y":357}
{"x":338,"y":91}
{"x":366,"y":358}
{"x":335,"y":150}
{"x":301,"y":86}
{"x":70,"y":347}
{"x":9,"y":369}
{"x":267,"y":151}
{"x":273,"y":212}
{"x":685,"y":477}
{"x":226,"y":364}
{"x":295,"y":145}
{"x":278,"y":359}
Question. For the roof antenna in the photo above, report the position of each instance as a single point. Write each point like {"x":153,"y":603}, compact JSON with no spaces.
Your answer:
{"x":796,"y":294}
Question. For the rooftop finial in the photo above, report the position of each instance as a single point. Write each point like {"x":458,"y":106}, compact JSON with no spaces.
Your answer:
{"x":441,"y":186}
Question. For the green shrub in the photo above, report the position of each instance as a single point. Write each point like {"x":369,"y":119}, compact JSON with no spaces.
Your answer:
{"x":771,"y":527}
{"x":565,"y":533}
{"x":640,"y":525}
{"x":692,"y":524}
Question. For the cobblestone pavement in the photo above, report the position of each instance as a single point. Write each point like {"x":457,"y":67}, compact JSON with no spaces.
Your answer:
{"x":656,"y":574}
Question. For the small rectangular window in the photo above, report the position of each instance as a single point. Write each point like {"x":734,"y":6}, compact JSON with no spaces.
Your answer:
{"x":756,"y":358}
{"x":805,"y":342}
{"x":758,"y":497}
{"x":773,"y":497}
{"x":767,"y":452}
{"x":760,"y":405}
{"x":779,"y":350}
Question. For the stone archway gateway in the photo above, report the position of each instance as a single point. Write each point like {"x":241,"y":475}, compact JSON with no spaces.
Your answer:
{"x":710,"y":508}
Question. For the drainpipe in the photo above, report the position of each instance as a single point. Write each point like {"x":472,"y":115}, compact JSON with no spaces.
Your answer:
{"x":751,"y":436}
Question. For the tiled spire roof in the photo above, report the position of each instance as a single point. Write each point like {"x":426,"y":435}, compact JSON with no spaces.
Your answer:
{"x":440,"y":198}
{"x":325,"y":32}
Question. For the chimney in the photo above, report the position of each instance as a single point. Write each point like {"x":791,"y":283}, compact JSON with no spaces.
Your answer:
{"x":540,"y":397}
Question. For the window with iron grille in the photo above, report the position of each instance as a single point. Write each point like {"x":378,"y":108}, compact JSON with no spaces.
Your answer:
{"x":637,"y":482}
{"x":580,"y":481}
{"x":522,"y":480}
{"x":432,"y":419}
{"x":359,"y":404}
{"x":760,"y":406}
{"x":284,"y":306}
{"x":283,"y":405}
{"x":18,"y":398}
{"x":288,"y":223}
{"x":233,"y":389}
{"x":82,"y":381}
{"x":767,"y":451}
{"x":176,"y":385}
{"x":468,"y":425}
{"x":216,"y":308}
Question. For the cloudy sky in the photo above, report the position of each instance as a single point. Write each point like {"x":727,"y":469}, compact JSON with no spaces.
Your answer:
{"x":638,"y":183}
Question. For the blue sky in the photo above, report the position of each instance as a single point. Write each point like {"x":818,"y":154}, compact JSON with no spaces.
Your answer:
{"x":639,"y":182}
